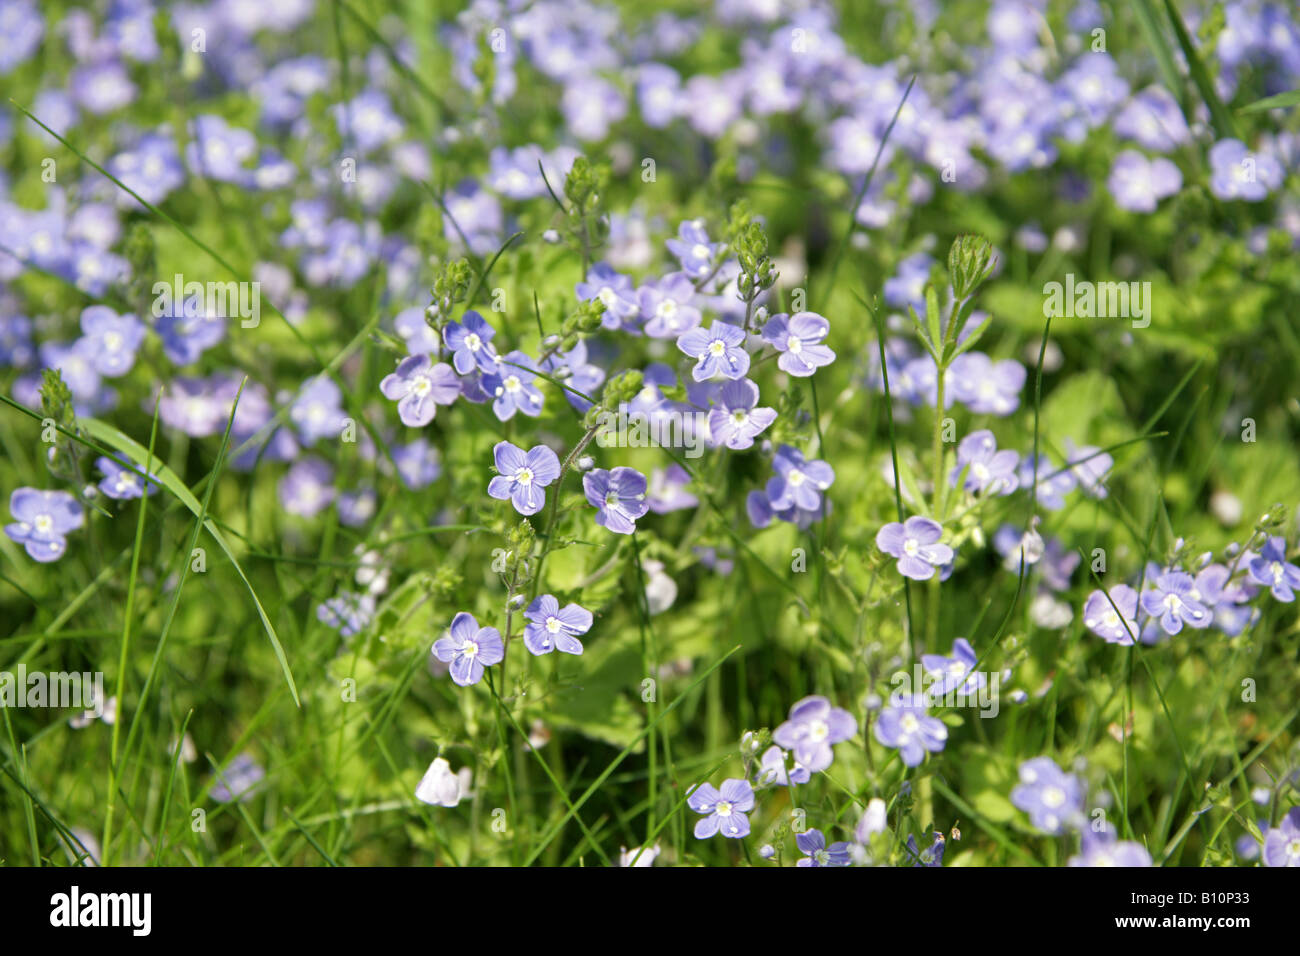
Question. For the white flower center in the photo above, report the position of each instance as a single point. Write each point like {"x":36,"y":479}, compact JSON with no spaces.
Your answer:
{"x":470,"y":649}
{"x":524,"y":476}
{"x":553,"y":625}
{"x":818,"y":730}
{"x":795,"y":478}
{"x":911,"y":546}
{"x":722,"y":808}
{"x":421,"y":386}
{"x":513,"y":384}
{"x":44,"y":524}
{"x":717,"y":346}
{"x":910,"y":723}
{"x":1053,"y":796}
{"x":794,"y":345}
{"x":474,"y":342}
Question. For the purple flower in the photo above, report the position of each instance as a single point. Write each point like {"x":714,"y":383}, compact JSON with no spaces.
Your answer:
{"x":614,"y":290}
{"x":307,"y":487}
{"x":618,"y":497}
{"x":21,"y":28}
{"x":1271,"y":570}
{"x":572,"y":369}
{"x":1102,"y":849}
{"x":772,"y":770}
{"x":219,"y":151}
{"x":1053,"y":484}
{"x":814,"y":726}
{"x":121,"y":483}
{"x":471,"y":344}
{"x":667,"y":490}
{"x":693,"y":249}
{"x":151,"y":169}
{"x":812,"y":845}
{"x":419,"y":387}
{"x":1154,"y":120}
{"x":1138,"y":183}
{"x":469,"y":648}
{"x":554,"y":628}
{"x":1174,"y":601}
{"x":931,"y":856}
{"x":905,"y":725}
{"x":1237,"y":173}
{"x":986,"y":386}
{"x":368,"y":120}
{"x":512,"y":388}
{"x":237,"y":780}
{"x":718,"y":351}
{"x":1052,"y":798}
{"x":42,"y":521}
{"x":1090,"y":465}
{"x":798,"y":483}
{"x":1112,"y":626}
{"x":734,"y":421}
{"x":317,"y":411}
{"x":521,"y":477}
{"x":1282,"y":842}
{"x":954,"y":673}
{"x":418,"y":465}
{"x":666,"y":306}
{"x":347,"y":612}
{"x":915,"y":543}
{"x":113,"y":339}
{"x":988,"y":471}
{"x":724,"y":808}
{"x":798,"y":338}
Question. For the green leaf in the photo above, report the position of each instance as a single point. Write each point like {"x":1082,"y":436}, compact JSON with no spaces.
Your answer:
{"x":1280,"y":101}
{"x":1222,"y":119}
{"x":101,"y":431}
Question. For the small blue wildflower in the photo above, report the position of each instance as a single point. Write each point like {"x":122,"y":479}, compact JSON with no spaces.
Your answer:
{"x":915,"y":543}
{"x":471,"y":344}
{"x":122,"y":483}
{"x":522,"y":476}
{"x":618,"y":495}
{"x":469,"y":648}
{"x":1272,"y":570}
{"x":1052,"y":798}
{"x":511,"y":387}
{"x":419,"y":387}
{"x":904,"y":724}
{"x":988,"y":470}
{"x":734,"y":421}
{"x":42,"y":521}
{"x":798,"y":338}
{"x":724,"y":808}
{"x":554,"y":628}
{"x":1174,"y":601}
{"x":113,"y":339}
{"x":693,"y":249}
{"x":1114,"y":627}
{"x":717,"y":351}
{"x":812,"y":844}
{"x":813,"y":727}
{"x":798,"y":483}
{"x":772,"y":770}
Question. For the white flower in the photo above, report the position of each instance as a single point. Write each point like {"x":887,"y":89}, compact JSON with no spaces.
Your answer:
{"x":643,"y":857}
{"x":442,"y":787}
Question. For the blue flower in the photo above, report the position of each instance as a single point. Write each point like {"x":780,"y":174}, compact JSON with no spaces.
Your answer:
{"x":734,"y":421}
{"x":471,"y":344}
{"x":42,"y":521}
{"x":988,"y":471}
{"x":512,"y":389}
{"x":1052,"y":798}
{"x":1112,"y":626}
{"x":813,"y":845}
{"x":724,"y":808}
{"x":1102,"y":849}
{"x":614,"y":291}
{"x":915,"y":543}
{"x":113,"y":339}
{"x":121,"y":483}
{"x":813,"y":728}
{"x":1174,"y":601}
{"x":521,"y":477}
{"x":954,"y":673}
{"x":317,"y":412}
{"x":798,"y":483}
{"x":693,"y":249}
{"x":772,"y":770}
{"x":905,"y":724}
{"x":717,"y":351}
{"x":1271,"y":570}
{"x":419,"y":387}
{"x":469,"y":648}
{"x":798,"y":338}
{"x":619,"y":497}
{"x":554,"y":628}
{"x":985,"y":386}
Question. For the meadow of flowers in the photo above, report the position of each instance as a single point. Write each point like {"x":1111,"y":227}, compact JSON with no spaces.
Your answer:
{"x":556,"y":432}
